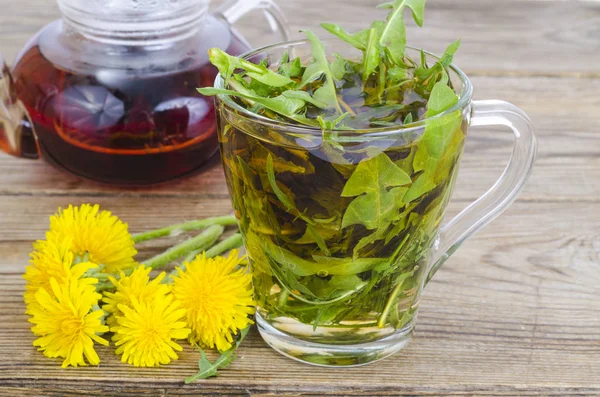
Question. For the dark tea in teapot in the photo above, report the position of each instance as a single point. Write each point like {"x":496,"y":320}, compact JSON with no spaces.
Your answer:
{"x":108,"y":92}
{"x":118,"y":128}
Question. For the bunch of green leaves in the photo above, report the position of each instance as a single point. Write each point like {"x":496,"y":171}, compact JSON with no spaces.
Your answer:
{"x":336,"y":230}
{"x":342,"y":241}
{"x":384,"y":42}
{"x":322,"y":92}
{"x":285,"y":92}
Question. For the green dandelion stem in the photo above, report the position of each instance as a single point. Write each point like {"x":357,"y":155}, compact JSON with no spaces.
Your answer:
{"x":231,"y":242}
{"x":104,"y":285}
{"x":228,"y":244}
{"x":175,"y":230}
{"x":204,"y":239}
{"x":192,"y":255}
{"x":189,"y":257}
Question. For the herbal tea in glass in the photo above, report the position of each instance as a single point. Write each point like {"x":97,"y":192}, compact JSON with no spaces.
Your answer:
{"x":340,"y":160}
{"x":339,"y":230}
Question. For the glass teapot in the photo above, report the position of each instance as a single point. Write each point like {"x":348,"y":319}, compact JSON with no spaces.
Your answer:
{"x":108,"y":92}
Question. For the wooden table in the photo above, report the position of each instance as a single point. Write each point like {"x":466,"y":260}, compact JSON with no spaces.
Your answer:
{"x":516,"y":311}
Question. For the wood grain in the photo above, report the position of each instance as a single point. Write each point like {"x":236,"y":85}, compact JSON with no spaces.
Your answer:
{"x":514,"y":312}
{"x":515,"y":305}
{"x":516,"y":37}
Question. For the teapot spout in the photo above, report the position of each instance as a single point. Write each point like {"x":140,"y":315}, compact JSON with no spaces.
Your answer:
{"x":16,"y":130}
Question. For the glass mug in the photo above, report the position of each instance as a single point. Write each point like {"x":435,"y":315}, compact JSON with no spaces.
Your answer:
{"x":108,"y":92}
{"x":337,"y":294}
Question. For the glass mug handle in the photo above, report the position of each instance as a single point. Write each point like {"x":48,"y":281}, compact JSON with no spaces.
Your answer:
{"x":235,"y":9}
{"x":16,"y":133}
{"x":497,"y":199}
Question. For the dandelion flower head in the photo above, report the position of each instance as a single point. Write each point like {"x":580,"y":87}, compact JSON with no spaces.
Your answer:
{"x":98,"y":236}
{"x":52,"y":259}
{"x":146,"y":331}
{"x":135,"y":286}
{"x":217,"y":297}
{"x":66,"y":323}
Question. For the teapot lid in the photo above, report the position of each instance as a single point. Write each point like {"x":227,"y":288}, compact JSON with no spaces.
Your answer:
{"x":131,"y":18}
{"x":140,"y":8}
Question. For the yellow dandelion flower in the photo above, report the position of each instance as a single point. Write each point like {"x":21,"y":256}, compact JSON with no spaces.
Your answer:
{"x":65,"y":322}
{"x":52,"y":259}
{"x":146,"y":330}
{"x":217,"y":298}
{"x":97,"y":235}
{"x":135,"y":286}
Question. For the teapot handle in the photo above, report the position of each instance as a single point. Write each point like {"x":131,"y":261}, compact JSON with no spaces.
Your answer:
{"x":16,"y":130}
{"x":235,"y":9}
{"x":505,"y":190}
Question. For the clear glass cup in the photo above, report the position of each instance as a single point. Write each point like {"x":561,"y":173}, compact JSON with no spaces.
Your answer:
{"x":355,"y":300}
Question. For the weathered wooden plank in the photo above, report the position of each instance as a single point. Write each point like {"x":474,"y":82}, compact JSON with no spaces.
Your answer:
{"x":563,"y":110}
{"x":513,"y":312}
{"x":515,"y":36}
{"x":26,"y":217}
